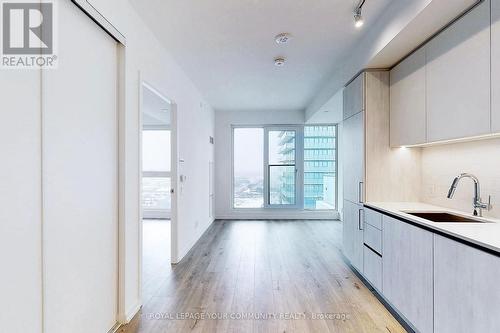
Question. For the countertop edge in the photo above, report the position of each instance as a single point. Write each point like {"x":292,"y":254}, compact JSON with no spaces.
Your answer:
{"x":440,"y":231}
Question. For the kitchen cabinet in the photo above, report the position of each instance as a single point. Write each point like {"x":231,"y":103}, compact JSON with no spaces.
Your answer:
{"x":407,"y":276}
{"x":353,"y":234}
{"x":372,"y":268}
{"x":466,"y":293}
{"x":373,"y":218}
{"x":353,"y":142}
{"x":354,"y":96}
{"x":495,"y":66}
{"x":458,"y":78}
{"x":372,"y":251}
{"x":407,"y":99}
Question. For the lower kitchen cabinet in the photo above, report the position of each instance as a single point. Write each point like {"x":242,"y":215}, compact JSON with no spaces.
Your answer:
{"x":408,"y":271}
{"x":466,"y":291}
{"x":353,"y":234}
{"x":372,"y":267}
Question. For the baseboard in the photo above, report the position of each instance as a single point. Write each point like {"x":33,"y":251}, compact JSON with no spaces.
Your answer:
{"x":286,"y":216}
{"x":115,"y":328}
{"x":125,"y":318}
{"x":181,"y":254}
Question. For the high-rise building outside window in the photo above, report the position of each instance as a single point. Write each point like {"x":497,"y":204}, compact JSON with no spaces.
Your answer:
{"x":320,"y":188}
{"x":300,"y":167}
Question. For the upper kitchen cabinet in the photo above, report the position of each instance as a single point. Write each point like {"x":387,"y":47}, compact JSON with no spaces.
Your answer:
{"x":407,"y":98}
{"x":354,"y":96}
{"x":495,"y":66}
{"x":458,"y":78}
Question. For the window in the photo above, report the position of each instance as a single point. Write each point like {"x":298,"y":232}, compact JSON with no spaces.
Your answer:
{"x":281,"y":167}
{"x":156,"y":199}
{"x":320,"y":188}
{"x":248,"y":168}
{"x":285,"y":167}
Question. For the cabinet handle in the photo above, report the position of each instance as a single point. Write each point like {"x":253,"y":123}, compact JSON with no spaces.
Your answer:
{"x":360,"y":222}
{"x":360,"y":191}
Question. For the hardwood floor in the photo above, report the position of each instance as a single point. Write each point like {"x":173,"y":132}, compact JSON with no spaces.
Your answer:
{"x":156,"y":256}
{"x":287,"y":268}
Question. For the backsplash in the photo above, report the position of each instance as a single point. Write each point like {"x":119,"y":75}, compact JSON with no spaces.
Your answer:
{"x":440,"y":164}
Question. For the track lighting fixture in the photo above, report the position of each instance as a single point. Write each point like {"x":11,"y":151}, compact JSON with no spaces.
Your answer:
{"x":358,"y":18}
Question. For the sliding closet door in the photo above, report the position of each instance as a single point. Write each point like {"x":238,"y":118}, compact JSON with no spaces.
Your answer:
{"x":20,"y":198}
{"x":80,"y":178}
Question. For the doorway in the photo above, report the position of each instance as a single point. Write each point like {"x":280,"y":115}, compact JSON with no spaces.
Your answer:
{"x":156,"y":189}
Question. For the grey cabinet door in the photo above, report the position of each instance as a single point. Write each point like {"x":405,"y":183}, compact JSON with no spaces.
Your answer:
{"x":353,"y":234}
{"x":353,"y":139}
{"x":408,"y":119}
{"x":407,"y":276}
{"x":347,"y":230}
{"x":495,"y":66}
{"x":466,"y":292}
{"x":458,"y":78}
{"x":354,"y":96}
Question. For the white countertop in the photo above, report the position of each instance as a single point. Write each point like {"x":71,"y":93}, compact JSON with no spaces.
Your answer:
{"x":483,"y":234}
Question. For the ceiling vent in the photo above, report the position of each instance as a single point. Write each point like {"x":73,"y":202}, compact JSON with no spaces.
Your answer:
{"x":283,"y":38}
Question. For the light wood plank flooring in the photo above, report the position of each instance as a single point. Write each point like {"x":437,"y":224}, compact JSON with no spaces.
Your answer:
{"x":287,"y":268}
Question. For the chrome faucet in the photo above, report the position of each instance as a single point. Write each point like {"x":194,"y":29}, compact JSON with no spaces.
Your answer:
{"x":477,"y":202}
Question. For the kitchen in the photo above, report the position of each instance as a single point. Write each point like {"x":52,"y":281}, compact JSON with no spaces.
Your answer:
{"x":420,"y":207}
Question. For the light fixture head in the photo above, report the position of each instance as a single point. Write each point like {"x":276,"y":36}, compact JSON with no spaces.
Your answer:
{"x":358,"y":19}
{"x":279,"y":62}
{"x":283,"y":38}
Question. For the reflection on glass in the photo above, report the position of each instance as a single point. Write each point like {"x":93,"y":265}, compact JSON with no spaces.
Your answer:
{"x":319,"y":167}
{"x":156,"y":193}
{"x":281,"y":147}
{"x":281,"y":185}
{"x":248,"y":168}
{"x":156,"y":150}
{"x":281,"y":167}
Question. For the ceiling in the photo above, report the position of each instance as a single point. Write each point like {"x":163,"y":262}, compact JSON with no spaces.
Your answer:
{"x":227,"y":48}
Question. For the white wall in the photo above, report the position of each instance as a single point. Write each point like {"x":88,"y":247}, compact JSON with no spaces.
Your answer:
{"x":223,"y":163}
{"x":147,"y":59}
{"x":440,"y":164}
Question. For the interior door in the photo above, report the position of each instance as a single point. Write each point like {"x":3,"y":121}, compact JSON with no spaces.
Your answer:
{"x":80,"y":172}
{"x":282,"y":172}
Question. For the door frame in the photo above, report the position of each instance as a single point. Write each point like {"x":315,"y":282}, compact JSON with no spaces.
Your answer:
{"x":144,"y":84}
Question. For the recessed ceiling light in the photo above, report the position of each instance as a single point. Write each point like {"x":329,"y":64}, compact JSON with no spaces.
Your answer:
{"x":283,"y":38}
{"x":279,"y":62}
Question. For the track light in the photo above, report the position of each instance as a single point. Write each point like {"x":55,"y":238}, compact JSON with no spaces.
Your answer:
{"x":358,"y":18}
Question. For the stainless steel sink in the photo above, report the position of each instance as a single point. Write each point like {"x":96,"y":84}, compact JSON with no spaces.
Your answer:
{"x":445,"y":217}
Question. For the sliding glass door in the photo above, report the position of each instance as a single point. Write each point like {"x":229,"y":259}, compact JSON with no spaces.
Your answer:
{"x":283,"y":166}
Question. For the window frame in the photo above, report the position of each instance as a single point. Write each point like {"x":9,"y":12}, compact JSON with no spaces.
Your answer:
{"x":149,"y":212}
{"x":299,"y":165}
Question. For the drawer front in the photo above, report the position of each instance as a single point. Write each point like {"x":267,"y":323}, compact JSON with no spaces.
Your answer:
{"x":372,"y":270}
{"x":373,"y":218}
{"x":373,"y":238}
